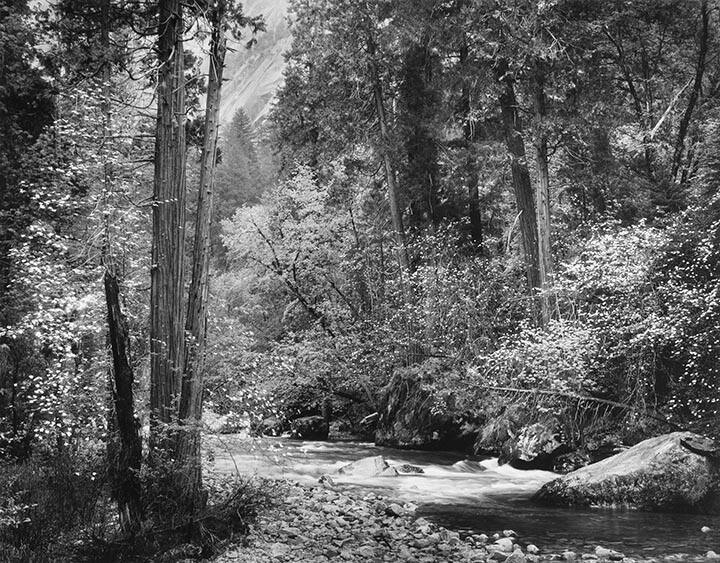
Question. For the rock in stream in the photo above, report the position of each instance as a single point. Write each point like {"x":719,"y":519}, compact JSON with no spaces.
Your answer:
{"x":657,"y":474}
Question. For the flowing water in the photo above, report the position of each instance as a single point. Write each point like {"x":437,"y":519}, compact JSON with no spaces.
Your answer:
{"x":474,"y":495}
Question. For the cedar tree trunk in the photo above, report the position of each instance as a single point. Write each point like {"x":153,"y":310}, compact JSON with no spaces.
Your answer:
{"x":522,"y":185}
{"x":196,"y":322}
{"x":168,"y":229}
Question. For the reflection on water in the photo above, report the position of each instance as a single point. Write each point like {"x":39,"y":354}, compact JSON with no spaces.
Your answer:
{"x":638,"y":534}
{"x":473,"y":494}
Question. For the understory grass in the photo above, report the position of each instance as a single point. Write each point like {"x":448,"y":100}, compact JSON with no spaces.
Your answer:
{"x":58,"y":508}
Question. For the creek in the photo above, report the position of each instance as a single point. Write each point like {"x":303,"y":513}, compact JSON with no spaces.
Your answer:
{"x":471,"y":494}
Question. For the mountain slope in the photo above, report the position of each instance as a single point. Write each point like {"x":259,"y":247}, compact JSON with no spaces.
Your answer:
{"x":253,"y":76}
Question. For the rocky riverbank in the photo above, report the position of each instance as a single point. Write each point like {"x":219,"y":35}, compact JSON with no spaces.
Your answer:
{"x":315,"y":524}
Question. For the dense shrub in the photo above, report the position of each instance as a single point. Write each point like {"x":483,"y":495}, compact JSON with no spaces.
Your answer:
{"x":327,"y":313}
{"x":688,"y":275}
{"x":48,"y":496}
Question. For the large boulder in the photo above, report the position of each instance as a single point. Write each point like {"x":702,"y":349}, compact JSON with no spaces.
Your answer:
{"x":662,"y":473}
{"x":270,"y":426}
{"x":537,"y":447}
{"x":517,"y":438}
{"x":366,"y":467}
{"x":309,"y":428}
{"x":414,"y":414}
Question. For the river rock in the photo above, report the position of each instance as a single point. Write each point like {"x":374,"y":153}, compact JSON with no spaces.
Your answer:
{"x":309,"y":428}
{"x":468,"y":466}
{"x":326,"y":480}
{"x":605,"y":553}
{"x":702,"y":445}
{"x":279,"y":549}
{"x":421,"y":543}
{"x":389,"y":472}
{"x":572,"y":461}
{"x":712,"y":555}
{"x":516,"y":437}
{"x":407,"y":469}
{"x":537,"y":447}
{"x":413,"y":414}
{"x":365,"y":467}
{"x":656,"y":474}
{"x":516,"y":556}
{"x":365,"y":551}
{"x":504,"y":544}
{"x":532,"y":549}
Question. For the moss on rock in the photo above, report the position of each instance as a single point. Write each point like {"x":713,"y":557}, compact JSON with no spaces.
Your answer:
{"x":657,"y":474}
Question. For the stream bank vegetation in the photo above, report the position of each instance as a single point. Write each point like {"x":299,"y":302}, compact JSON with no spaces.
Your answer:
{"x":512,"y":208}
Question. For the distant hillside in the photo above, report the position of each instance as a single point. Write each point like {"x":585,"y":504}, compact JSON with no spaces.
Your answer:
{"x":254,"y":76}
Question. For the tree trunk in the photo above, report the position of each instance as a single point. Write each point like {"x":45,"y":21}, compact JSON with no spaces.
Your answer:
{"x":694,"y":93}
{"x":473,"y":180}
{"x":420,"y":145}
{"x":470,"y":134}
{"x":196,"y":322}
{"x":393,"y":192}
{"x":168,"y":234}
{"x":542,"y":196}
{"x":126,"y":467}
{"x":125,"y":457}
{"x":522,"y":186}
{"x":601,"y":168}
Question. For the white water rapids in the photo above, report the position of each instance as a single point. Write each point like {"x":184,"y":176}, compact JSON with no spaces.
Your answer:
{"x":471,"y":494}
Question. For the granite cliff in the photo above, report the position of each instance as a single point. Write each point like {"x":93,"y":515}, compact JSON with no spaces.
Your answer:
{"x":254,"y":75}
